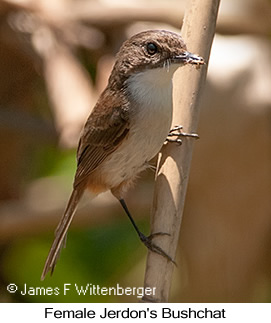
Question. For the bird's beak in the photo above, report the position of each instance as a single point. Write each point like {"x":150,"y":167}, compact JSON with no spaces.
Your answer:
{"x":188,"y":58}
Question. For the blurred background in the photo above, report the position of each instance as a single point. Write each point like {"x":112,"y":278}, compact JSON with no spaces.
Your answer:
{"x":55,"y":58}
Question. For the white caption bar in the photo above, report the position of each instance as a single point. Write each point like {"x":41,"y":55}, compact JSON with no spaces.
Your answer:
{"x":146,"y":312}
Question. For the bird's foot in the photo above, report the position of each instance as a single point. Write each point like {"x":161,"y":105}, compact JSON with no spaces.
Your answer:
{"x":177,"y":132}
{"x":147,"y":240}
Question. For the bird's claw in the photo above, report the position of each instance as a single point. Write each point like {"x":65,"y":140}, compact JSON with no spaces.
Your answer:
{"x":177,"y":132}
{"x":147,"y":240}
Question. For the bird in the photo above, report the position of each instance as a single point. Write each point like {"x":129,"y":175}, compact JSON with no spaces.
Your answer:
{"x":127,"y":127}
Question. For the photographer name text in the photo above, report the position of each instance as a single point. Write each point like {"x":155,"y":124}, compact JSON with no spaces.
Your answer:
{"x":82,"y":290}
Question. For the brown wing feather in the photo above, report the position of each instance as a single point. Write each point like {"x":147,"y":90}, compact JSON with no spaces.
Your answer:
{"x":104,"y":131}
{"x":102,"y":134}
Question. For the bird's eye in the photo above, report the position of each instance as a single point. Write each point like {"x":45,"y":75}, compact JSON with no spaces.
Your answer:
{"x":152,"y":48}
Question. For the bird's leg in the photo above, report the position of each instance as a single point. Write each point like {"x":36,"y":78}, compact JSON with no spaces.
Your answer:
{"x":177,"y":132}
{"x":147,"y":240}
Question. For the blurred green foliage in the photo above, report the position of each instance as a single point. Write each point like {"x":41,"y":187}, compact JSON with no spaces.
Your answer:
{"x":99,"y":256}
{"x":51,"y":161}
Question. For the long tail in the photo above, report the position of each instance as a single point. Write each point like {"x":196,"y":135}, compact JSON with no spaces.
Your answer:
{"x":61,"y":232}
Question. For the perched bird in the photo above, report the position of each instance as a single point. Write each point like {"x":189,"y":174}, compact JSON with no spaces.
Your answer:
{"x":128,"y":125}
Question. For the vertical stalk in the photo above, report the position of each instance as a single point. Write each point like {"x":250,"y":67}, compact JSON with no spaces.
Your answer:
{"x":174,"y":161}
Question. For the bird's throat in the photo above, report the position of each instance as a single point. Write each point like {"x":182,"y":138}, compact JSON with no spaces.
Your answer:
{"x":152,"y":87}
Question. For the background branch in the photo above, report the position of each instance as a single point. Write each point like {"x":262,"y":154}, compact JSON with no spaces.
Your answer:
{"x":174,"y":163}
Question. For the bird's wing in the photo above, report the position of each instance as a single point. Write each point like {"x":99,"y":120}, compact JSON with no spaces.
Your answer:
{"x":104,"y":131}
{"x":102,"y":135}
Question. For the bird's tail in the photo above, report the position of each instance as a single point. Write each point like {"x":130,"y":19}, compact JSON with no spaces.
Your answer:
{"x":61,"y":232}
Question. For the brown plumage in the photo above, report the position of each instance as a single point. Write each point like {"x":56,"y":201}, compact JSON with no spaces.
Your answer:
{"x":127,"y":126}
{"x":101,"y":136}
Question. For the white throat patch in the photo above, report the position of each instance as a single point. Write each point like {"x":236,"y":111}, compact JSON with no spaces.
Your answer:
{"x":152,"y":86}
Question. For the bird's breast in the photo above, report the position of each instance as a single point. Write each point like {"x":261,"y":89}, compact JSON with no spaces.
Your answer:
{"x":150,"y":121}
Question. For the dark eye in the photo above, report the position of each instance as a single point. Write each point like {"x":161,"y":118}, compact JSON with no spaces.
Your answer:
{"x":152,"y":48}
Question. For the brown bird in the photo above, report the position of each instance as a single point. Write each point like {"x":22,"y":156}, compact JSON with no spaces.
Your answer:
{"x":128,"y":125}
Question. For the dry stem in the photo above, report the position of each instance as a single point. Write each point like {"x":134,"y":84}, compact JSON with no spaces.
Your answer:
{"x":174,"y":162}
